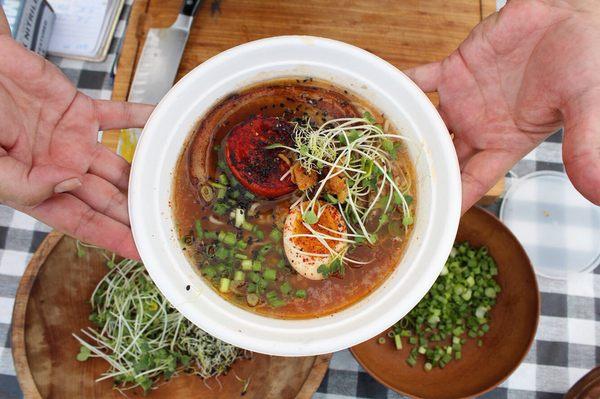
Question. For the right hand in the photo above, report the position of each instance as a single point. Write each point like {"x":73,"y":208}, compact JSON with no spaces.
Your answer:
{"x":520,"y":75}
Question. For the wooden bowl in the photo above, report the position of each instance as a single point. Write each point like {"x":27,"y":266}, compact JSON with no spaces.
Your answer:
{"x":52,"y":303}
{"x":588,"y":386}
{"x":513,"y":324}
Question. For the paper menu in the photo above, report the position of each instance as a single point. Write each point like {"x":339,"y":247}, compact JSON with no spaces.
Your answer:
{"x":83,"y":28}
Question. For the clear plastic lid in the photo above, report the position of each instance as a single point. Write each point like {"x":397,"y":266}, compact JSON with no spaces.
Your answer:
{"x":557,"y":226}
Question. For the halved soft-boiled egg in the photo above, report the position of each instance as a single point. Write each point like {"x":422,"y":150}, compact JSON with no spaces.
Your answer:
{"x":308,"y":246}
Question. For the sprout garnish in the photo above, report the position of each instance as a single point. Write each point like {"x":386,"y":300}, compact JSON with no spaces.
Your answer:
{"x":362,"y":153}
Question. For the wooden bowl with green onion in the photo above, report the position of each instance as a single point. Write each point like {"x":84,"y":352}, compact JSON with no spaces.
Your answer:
{"x":484,"y":362}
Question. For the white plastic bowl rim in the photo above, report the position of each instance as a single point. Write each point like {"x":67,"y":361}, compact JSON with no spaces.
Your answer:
{"x":388,"y":90}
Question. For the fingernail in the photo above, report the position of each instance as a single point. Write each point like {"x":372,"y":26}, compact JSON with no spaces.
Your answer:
{"x":67,"y":185}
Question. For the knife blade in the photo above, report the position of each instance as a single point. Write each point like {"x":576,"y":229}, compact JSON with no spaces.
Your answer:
{"x":157,"y":68}
{"x":161,"y":55}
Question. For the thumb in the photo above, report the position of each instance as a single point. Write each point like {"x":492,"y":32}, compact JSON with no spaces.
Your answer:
{"x":581,"y":146}
{"x":28,"y":186}
{"x":427,"y":76}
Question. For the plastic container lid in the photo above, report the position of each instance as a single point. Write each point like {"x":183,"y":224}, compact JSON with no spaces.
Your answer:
{"x":557,"y":226}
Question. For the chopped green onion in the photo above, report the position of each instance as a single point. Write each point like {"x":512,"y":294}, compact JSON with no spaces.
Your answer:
{"x":224,"y":285}
{"x":220,"y":208}
{"x":398,"y":341}
{"x":209,"y":272}
{"x":270,"y":274}
{"x":252,"y":299}
{"x":223,"y":179}
{"x":230,"y":239}
{"x":254,"y":277}
{"x":256,"y":266}
{"x":455,"y":309}
{"x":210,"y":235}
{"x":222,"y":253}
{"x":277,"y":302}
{"x":275,"y":235}
{"x":239,"y":276}
{"x":285,"y":288}
{"x":300,"y":293}
{"x":247,"y":264}
{"x":251,"y":288}
{"x":199,"y":231}
{"x":217,"y":185}
{"x":239,"y":217}
{"x":207,"y":194}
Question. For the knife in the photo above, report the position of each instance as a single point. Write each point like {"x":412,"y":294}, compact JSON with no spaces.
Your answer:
{"x":159,"y":61}
{"x":157,"y":68}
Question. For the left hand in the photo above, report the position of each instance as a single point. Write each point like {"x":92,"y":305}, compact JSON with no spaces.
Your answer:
{"x":51,"y":164}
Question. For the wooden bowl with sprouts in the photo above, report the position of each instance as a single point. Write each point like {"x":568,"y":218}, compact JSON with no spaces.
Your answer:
{"x":62,"y":348}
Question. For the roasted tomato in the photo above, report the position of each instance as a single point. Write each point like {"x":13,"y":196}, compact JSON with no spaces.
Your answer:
{"x":273,"y":101}
{"x":255,"y":166}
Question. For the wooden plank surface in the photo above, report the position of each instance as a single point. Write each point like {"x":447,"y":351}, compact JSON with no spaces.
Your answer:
{"x":488,"y":7}
{"x":405,"y":33}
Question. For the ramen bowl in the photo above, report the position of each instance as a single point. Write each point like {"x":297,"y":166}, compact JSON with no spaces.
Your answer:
{"x":349,"y":68}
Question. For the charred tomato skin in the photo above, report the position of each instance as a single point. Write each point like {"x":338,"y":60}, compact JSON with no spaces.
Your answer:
{"x":300,"y":99}
{"x":257,"y":167}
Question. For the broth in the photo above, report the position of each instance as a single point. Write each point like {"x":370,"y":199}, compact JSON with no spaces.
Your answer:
{"x":221,"y":251}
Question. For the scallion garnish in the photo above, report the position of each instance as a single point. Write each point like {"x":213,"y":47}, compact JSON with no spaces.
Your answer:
{"x":457,"y":305}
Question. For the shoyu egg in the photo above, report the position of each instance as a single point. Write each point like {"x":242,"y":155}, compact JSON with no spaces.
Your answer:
{"x":308,"y":246}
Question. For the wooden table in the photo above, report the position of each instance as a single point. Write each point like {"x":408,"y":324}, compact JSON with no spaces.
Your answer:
{"x":404,"y":32}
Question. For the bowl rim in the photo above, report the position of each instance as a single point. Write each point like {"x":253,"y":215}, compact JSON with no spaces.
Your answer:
{"x":452,"y":204}
{"x":531,"y":338}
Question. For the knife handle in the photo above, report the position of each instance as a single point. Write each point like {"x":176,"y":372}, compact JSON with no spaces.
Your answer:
{"x":190,"y":7}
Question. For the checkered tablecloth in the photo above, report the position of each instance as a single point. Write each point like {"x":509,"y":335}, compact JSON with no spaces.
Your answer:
{"x":567,"y":344}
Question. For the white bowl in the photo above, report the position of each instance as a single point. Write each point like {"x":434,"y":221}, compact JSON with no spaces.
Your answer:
{"x":389,"y":90}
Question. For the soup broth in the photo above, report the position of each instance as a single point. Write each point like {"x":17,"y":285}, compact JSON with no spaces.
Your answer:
{"x":237,"y":196}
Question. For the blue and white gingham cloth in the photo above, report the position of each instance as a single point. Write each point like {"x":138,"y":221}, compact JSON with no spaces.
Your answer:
{"x":566,"y":347}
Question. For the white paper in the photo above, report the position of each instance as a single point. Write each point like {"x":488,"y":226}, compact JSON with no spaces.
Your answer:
{"x":78,"y":29}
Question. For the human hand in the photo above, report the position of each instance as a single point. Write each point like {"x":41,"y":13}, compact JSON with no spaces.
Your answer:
{"x":51,"y":165}
{"x":521,"y":74}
